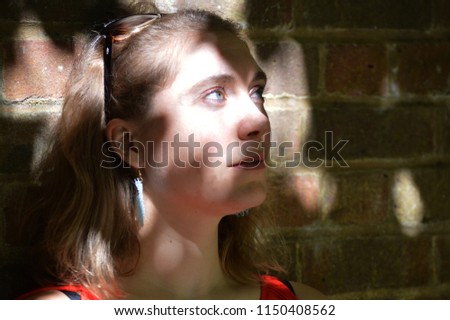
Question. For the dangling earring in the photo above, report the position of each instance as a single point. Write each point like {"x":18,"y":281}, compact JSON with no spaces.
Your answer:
{"x":243,"y":213}
{"x":139,"y":199}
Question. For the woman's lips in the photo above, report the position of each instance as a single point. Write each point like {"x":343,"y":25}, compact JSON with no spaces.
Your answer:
{"x":251,"y":163}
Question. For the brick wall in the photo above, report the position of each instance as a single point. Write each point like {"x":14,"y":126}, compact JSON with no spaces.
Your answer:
{"x":371,"y":221}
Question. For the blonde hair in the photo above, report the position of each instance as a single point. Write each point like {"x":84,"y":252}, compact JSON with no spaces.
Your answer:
{"x":84,"y":222}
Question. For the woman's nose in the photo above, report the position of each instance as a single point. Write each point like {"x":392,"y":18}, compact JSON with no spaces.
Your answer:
{"x":254,"y":123}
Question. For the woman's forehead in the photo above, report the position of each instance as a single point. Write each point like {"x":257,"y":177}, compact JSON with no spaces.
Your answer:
{"x":226,"y":42}
{"x":217,"y":53}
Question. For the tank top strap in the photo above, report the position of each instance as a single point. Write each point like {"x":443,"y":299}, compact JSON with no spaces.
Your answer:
{"x":273,"y":288}
{"x":70,"y":290}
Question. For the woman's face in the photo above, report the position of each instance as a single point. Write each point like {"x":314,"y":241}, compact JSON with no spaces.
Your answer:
{"x":205,"y":131}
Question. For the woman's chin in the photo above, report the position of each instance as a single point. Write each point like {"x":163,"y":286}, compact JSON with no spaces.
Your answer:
{"x":254,"y":198}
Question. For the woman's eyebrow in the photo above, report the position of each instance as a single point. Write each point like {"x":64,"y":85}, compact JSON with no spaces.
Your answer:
{"x":221,"y":78}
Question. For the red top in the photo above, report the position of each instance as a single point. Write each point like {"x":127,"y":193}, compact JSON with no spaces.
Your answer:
{"x":84,"y":293}
{"x":274,"y":289}
{"x":271,"y":289}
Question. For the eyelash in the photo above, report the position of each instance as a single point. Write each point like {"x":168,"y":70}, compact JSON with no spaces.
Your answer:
{"x":217,"y":90}
{"x":260,"y":91}
{"x":221,"y":90}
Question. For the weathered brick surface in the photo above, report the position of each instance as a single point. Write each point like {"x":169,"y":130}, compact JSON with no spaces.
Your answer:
{"x":23,"y":127}
{"x":356,"y":70}
{"x":289,"y":120}
{"x":443,"y":249}
{"x":359,"y":198}
{"x":269,"y":14}
{"x":23,"y":133}
{"x":293,"y":198}
{"x":85,"y":11}
{"x":443,"y":141}
{"x":423,"y":68}
{"x":434,"y":186}
{"x":291,"y":67}
{"x":442,"y":14}
{"x":10,"y":10}
{"x":375,"y":73}
{"x":366,"y":263}
{"x":16,"y":158}
{"x":443,"y":131}
{"x":373,"y":132}
{"x":11,"y":203}
{"x":370,"y":14}
{"x":35,"y":68}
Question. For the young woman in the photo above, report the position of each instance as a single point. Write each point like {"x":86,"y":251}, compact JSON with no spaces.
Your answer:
{"x":158,"y":154}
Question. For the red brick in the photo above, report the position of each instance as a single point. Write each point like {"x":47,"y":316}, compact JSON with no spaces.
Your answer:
{"x":70,"y":11}
{"x":12,"y":193}
{"x":443,"y":141}
{"x":35,"y":68}
{"x":442,"y":14}
{"x":340,"y":266}
{"x":360,"y":198}
{"x":16,"y":158}
{"x":289,"y":120}
{"x":21,"y":124}
{"x":11,"y":10}
{"x":434,"y":186}
{"x":269,"y":14}
{"x":292,"y":198}
{"x":356,"y":70}
{"x":291,"y":67}
{"x":374,"y":132}
{"x":423,"y":68}
{"x":443,"y":260}
{"x":368,"y":14}
{"x":306,"y":188}
{"x":23,"y":134}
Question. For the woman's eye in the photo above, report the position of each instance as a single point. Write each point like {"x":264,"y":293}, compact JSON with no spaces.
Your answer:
{"x":216,"y":95}
{"x":257,"y":95}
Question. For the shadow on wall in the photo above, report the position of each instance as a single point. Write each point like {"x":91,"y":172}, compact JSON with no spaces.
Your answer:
{"x":58,"y":19}
{"x":343,"y":225}
{"x":375,"y":224}
{"x":15,"y":162}
{"x":22,"y":122}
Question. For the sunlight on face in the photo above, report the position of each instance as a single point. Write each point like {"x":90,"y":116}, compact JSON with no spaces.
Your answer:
{"x":210,"y":111}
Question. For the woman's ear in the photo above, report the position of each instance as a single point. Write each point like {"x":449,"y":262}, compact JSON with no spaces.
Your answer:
{"x":119,"y":134}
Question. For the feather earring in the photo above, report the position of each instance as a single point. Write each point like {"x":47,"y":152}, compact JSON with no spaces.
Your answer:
{"x":139,"y":199}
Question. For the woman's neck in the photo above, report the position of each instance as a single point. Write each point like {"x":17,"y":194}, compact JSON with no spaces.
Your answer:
{"x":179,"y":258}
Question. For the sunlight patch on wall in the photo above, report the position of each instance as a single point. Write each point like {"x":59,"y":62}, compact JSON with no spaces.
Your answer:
{"x":408,"y":203}
{"x":329,"y":195}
